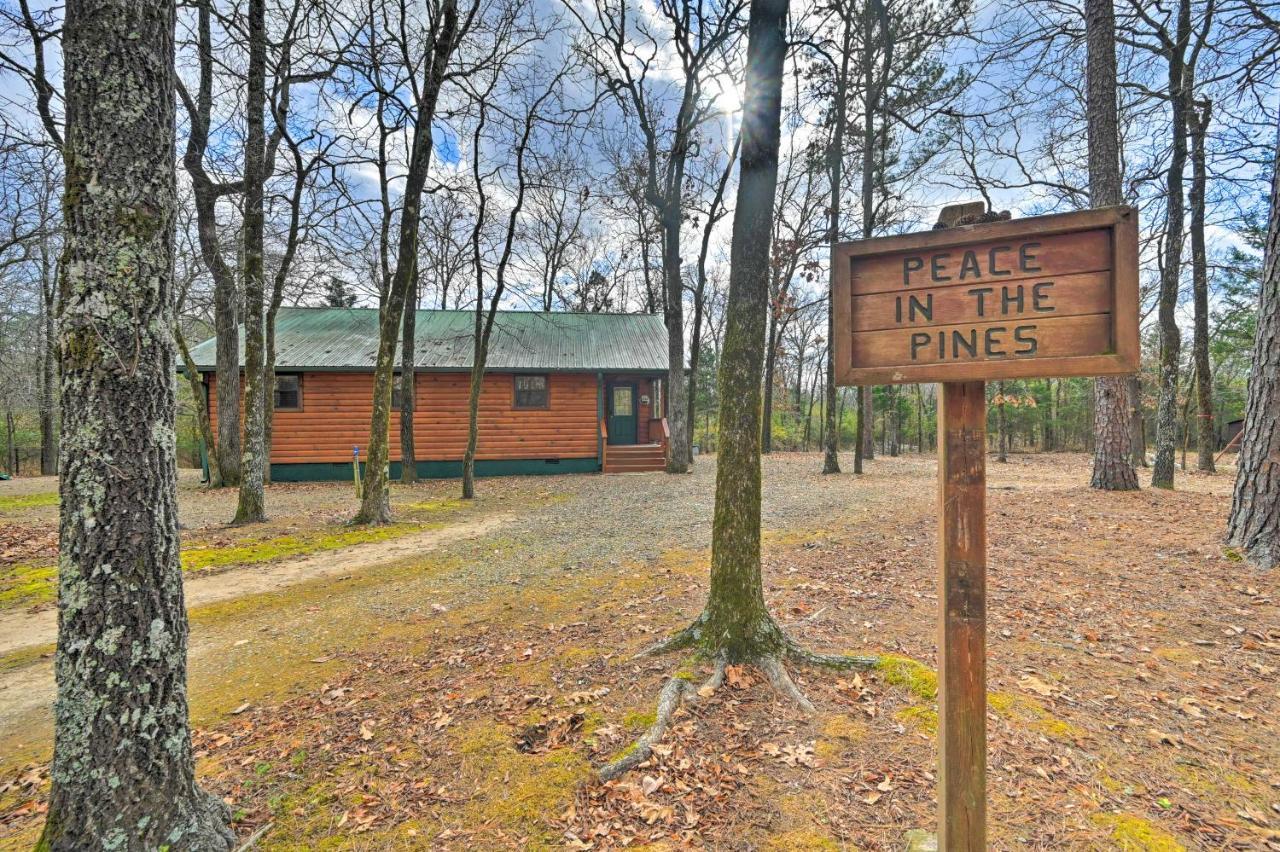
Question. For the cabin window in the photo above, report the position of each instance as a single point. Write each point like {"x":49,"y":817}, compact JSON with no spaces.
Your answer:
{"x":531,"y":392}
{"x":656,"y":410}
{"x":397,"y":398}
{"x":288,"y":392}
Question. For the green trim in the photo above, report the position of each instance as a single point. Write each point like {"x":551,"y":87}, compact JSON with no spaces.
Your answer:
{"x":341,"y":471}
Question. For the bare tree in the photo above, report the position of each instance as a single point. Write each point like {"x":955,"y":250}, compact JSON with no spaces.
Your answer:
{"x":250,"y":508}
{"x":625,"y":49}
{"x":736,"y":627}
{"x":1178,"y":39}
{"x":1112,"y":467}
{"x":1253,"y":527}
{"x":444,"y":33}
{"x":715,"y":213}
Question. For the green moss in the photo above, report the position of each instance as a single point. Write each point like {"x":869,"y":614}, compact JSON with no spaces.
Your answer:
{"x":1023,"y":708}
{"x":914,"y":676}
{"x":1222,"y":783}
{"x":433,"y":506}
{"x":27,"y":585}
{"x":30,"y":584}
{"x":251,"y":551}
{"x":923,"y":718}
{"x":535,"y":786}
{"x":28,"y":501}
{"x":1232,"y":554}
{"x":1137,"y":834}
{"x":23,"y":657}
{"x":639,"y":720}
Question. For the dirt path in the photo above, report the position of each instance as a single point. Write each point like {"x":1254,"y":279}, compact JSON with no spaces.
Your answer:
{"x":27,"y":687}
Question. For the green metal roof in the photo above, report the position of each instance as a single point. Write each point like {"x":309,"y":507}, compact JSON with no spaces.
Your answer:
{"x":347,"y":339}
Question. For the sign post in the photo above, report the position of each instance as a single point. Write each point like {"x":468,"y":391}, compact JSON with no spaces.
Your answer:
{"x":1046,"y":296}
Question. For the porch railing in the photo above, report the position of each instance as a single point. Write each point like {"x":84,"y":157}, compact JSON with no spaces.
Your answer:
{"x":604,"y":443}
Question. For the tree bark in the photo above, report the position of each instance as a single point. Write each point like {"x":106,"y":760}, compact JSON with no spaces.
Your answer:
{"x":1206,"y":435}
{"x":860,"y":442}
{"x":679,"y":448}
{"x":198,"y":392}
{"x":375,"y":507}
{"x":225,"y":293}
{"x":736,"y":624}
{"x":250,"y":508}
{"x":1138,"y":427}
{"x":770,"y":358}
{"x":408,"y":384}
{"x":1253,"y":527}
{"x":1002,"y":425}
{"x":11,"y":449}
{"x":1112,"y":450}
{"x":831,"y":442}
{"x":48,"y":365}
{"x":123,"y":775}
{"x":1171,"y":274}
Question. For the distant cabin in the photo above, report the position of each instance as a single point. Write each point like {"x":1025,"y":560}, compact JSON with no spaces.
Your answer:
{"x":562,"y":393}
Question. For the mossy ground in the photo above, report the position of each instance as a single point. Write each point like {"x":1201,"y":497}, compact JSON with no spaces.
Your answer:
{"x":25,"y":585}
{"x":445,"y":659}
{"x":28,"y":501}
{"x":1137,"y":834}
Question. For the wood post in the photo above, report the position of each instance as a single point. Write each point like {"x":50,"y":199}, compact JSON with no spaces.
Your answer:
{"x":962,"y":563}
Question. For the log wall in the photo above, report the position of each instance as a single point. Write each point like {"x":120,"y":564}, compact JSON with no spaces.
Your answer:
{"x":337,"y":407}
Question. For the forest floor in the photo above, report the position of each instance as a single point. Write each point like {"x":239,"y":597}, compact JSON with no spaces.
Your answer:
{"x":456,"y":691}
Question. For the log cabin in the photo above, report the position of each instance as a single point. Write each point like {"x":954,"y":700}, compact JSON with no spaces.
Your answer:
{"x":562,"y":393}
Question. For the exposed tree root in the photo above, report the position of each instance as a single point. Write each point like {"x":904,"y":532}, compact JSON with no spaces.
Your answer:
{"x":678,"y":689}
{"x":840,"y":662}
{"x":782,"y":682}
{"x":678,"y":641}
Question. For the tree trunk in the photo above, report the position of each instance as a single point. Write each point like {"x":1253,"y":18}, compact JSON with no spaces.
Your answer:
{"x":1002,"y":425}
{"x":861,"y":429}
{"x":11,"y":449}
{"x":48,"y":366}
{"x":1206,"y":435}
{"x":250,"y":508}
{"x":375,"y":507}
{"x":1051,"y":421}
{"x":679,"y":448}
{"x":123,"y":775}
{"x":1112,"y":469}
{"x":770,"y":354}
{"x":1138,"y":428}
{"x":408,"y":384}
{"x":199,"y":391}
{"x":831,"y":445}
{"x":868,"y":415}
{"x":1171,"y":274}
{"x":736,"y":624}
{"x":1253,"y":527}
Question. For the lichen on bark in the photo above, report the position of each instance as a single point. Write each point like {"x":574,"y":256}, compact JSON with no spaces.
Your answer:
{"x":123,"y":774}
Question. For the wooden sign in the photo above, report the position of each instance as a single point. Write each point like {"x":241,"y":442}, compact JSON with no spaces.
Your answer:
{"x":1046,"y":296}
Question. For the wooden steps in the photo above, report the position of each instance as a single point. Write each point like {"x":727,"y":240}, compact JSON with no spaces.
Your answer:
{"x":637,"y":458}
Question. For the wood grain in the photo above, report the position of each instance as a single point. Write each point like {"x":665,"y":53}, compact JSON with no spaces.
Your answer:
{"x":336,"y":411}
{"x":1052,"y":336}
{"x":990,"y":261}
{"x":962,"y":565}
{"x":907,"y":310}
{"x":1078,"y":250}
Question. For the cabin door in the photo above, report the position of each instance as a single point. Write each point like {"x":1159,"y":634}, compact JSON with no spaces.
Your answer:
{"x":622,"y":414}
